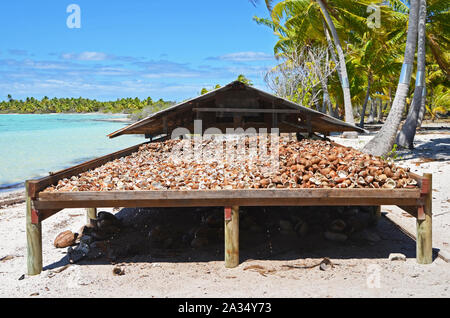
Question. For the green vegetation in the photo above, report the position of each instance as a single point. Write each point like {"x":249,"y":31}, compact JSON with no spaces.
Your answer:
{"x":240,"y":78}
{"x":150,"y":109}
{"x":134,"y":106}
{"x":371,"y":48}
{"x":392,"y":155}
{"x":373,"y":53}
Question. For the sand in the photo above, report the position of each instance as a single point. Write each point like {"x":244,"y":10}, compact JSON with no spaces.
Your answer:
{"x":362,"y":269}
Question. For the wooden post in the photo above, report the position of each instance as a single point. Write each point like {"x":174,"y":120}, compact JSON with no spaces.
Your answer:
{"x":378,"y":212}
{"x":91,"y":213}
{"x":34,"y":238}
{"x":309,"y":125}
{"x":231,"y":236}
{"x":424,"y":254}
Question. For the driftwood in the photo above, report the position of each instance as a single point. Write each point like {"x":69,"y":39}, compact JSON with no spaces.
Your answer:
{"x":13,"y":201}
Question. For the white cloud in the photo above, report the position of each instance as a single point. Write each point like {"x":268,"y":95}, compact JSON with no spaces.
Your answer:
{"x":109,"y":76}
{"x":85,"y":56}
{"x":243,"y":57}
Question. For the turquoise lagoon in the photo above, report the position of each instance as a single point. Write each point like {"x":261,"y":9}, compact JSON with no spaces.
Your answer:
{"x":33,"y":145}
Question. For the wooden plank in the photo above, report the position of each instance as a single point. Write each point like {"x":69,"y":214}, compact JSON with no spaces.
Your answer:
{"x":35,"y":186}
{"x":34,"y":238}
{"x":424,"y":228}
{"x":222,"y":202}
{"x":412,"y":210}
{"x":232,"y":238}
{"x":320,"y":193}
{"x":416,"y":177}
{"x":254,"y":197}
{"x":247,"y":110}
{"x":45,"y":214}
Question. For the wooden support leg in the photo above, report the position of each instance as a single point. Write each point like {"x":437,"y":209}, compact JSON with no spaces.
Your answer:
{"x":424,"y":231}
{"x":378,"y":213}
{"x":231,"y":236}
{"x":91,"y":213}
{"x":34,"y":238}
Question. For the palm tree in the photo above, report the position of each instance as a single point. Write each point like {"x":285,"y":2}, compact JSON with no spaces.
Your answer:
{"x":375,"y":57}
{"x":406,"y":136}
{"x":439,"y":102}
{"x":438,"y":33}
{"x":342,"y":66}
{"x":304,"y":24}
{"x":384,"y":140}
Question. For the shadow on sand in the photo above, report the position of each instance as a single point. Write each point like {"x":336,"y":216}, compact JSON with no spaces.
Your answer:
{"x":437,"y":149}
{"x":138,"y":241}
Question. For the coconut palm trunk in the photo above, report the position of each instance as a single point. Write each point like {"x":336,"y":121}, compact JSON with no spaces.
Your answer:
{"x":371,"y":118}
{"x":384,"y":140}
{"x":379,"y":112}
{"x":342,"y":66}
{"x":326,"y":99}
{"x":406,"y":136}
{"x":366,"y":100}
{"x":422,"y":107}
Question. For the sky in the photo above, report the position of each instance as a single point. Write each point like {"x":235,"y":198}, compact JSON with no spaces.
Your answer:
{"x":135,"y":48}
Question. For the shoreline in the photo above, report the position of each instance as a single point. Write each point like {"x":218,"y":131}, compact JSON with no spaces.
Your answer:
{"x":92,"y":113}
{"x":123,"y":118}
{"x":11,"y":187}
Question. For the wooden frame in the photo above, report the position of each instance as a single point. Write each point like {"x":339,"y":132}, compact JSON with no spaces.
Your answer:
{"x":42,"y":205}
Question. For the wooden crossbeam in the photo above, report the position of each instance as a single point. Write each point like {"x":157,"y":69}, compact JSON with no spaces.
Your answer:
{"x":248,"y":110}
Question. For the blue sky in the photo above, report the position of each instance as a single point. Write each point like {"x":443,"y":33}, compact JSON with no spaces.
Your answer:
{"x":134,"y":48}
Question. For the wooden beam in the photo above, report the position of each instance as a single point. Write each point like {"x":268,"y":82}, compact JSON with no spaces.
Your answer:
{"x":309,"y":124}
{"x":165,"y":129}
{"x":231,"y":236}
{"x":378,"y":212}
{"x":91,"y":214}
{"x":412,"y":210}
{"x":35,"y":186}
{"x":247,"y":197}
{"x":34,"y":237}
{"x":424,"y":244}
{"x":160,"y":137}
{"x":45,"y":214}
{"x":237,"y":122}
{"x":248,"y":110}
{"x":302,"y":193}
{"x":298,"y":126}
{"x":130,"y":203}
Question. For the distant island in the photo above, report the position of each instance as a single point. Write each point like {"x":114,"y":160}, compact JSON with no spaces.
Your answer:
{"x":135,"y":107}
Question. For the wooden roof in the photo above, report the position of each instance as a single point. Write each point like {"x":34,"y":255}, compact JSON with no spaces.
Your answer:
{"x":237,"y":105}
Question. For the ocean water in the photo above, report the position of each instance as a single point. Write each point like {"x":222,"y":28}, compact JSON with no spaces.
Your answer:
{"x":33,"y":145}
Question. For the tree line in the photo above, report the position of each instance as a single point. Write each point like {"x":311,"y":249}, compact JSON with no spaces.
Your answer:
{"x":136,"y":107}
